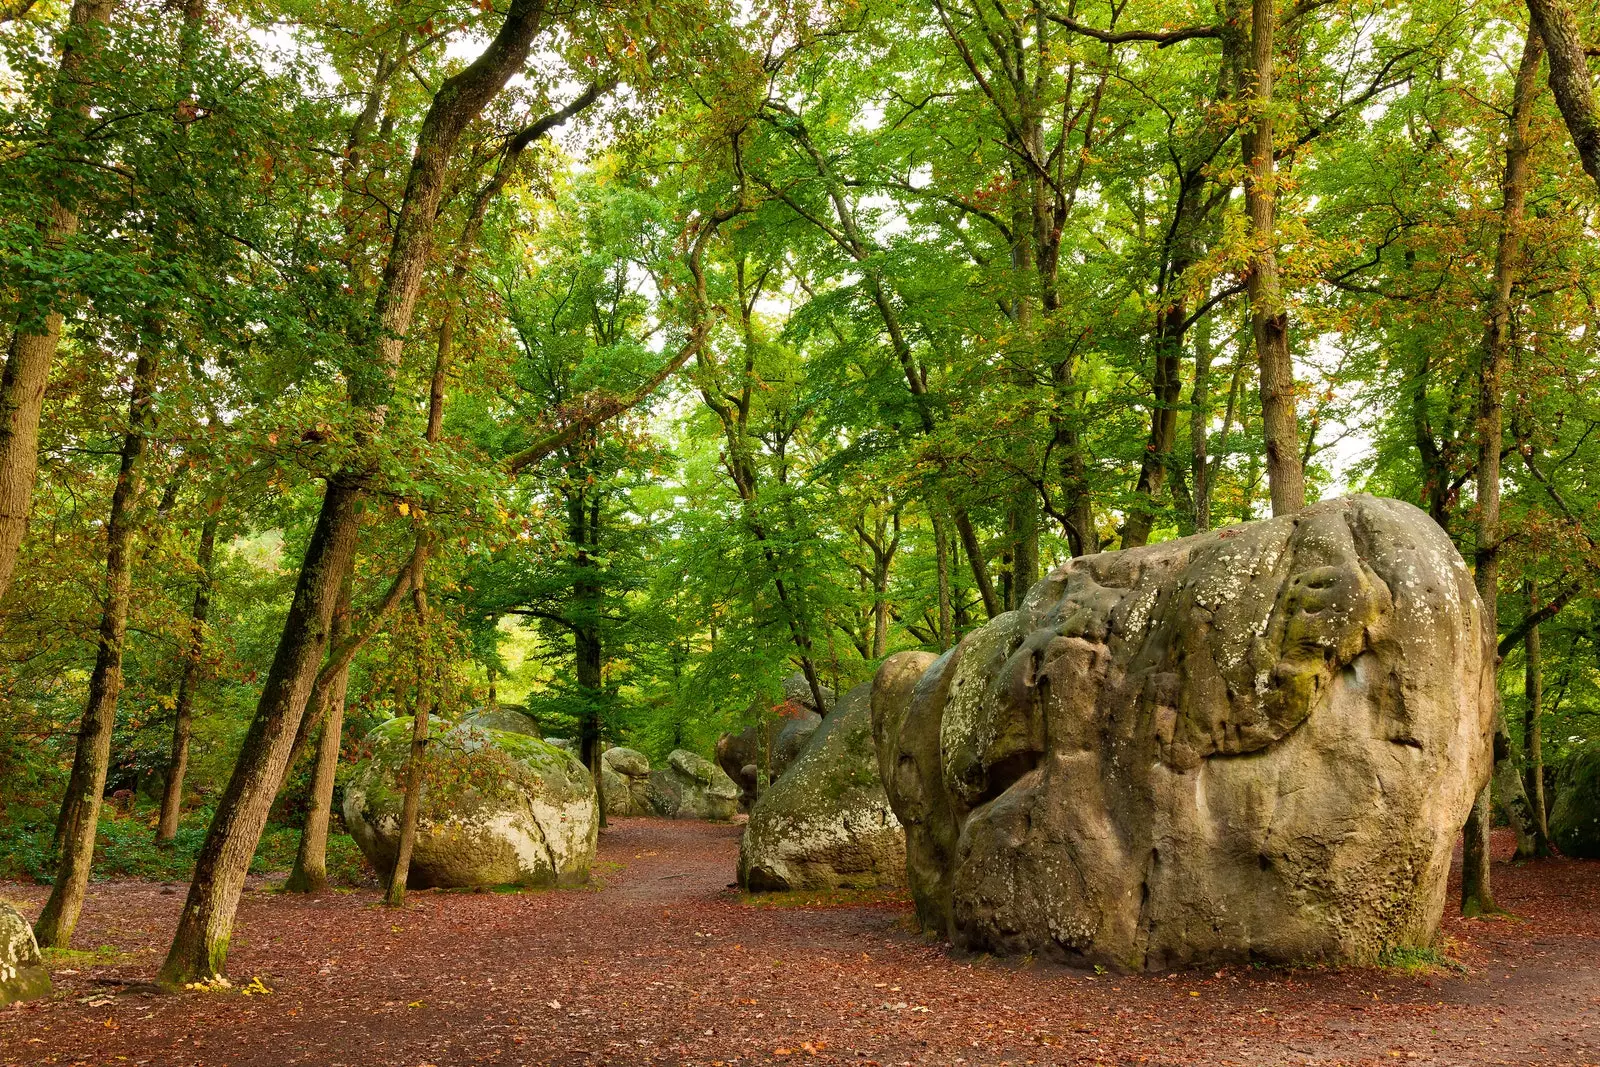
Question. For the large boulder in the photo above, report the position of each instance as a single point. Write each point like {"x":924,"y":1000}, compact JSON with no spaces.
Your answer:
{"x":1257,"y":743}
{"x":692,"y":787}
{"x":498,"y":807}
{"x":625,"y":773}
{"x":1575,"y":815}
{"x":826,"y":823}
{"x":763,"y":752}
{"x":22,"y":972}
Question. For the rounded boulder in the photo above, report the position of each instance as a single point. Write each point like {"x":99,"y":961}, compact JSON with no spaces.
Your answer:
{"x":498,"y":807}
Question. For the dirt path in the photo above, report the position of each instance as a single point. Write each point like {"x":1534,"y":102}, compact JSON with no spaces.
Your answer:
{"x":667,"y":965}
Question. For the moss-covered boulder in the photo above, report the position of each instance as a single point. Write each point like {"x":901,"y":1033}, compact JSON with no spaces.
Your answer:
{"x":626,"y":775}
{"x":503,"y":717}
{"x":692,"y":787}
{"x":498,"y":808}
{"x":827,"y":823}
{"x":22,"y":973}
{"x":1575,"y":816}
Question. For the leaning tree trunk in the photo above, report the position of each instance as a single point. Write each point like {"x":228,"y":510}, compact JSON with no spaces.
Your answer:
{"x":183,"y":713}
{"x":310,"y":873}
{"x":199,"y":948}
{"x":36,"y":331}
{"x":1532,"y":732}
{"x":1268,"y":314}
{"x":1477,"y":895}
{"x":80,"y":809}
{"x":1557,"y":27}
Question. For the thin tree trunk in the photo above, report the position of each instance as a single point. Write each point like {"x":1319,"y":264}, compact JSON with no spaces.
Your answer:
{"x":1557,"y":27}
{"x":183,"y":713}
{"x":36,"y":332}
{"x":1477,"y":894}
{"x":1024,"y":522}
{"x":980,"y":571}
{"x":941,"y":550}
{"x":310,"y":873}
{"x":80,"y":809}
{"x":199,"y":948}
{"x":1532,"y":734}
{"x":1269,"y":316}
{"x":415,"y":766}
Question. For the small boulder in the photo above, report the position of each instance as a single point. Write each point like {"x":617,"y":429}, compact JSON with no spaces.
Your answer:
{"x":1575,"y":816}
{"x":22,"y":972}
{"x":692,"y":787}
{"x":743,"y":756}
{"x":626,"y":774}
{"x":827,"y":823}
{"x":499,"y":807}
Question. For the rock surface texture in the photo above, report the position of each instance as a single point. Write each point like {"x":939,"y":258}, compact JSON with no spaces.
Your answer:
{"x":626,"y":775}
{"x":1575,"y":815}
{"x":22,"y":972}
{"x":827,"y":823}
{"x":498,"y":808}
{"x":692,"y":787}
{"x":768,"y":748}
{"x":1256,"y":743}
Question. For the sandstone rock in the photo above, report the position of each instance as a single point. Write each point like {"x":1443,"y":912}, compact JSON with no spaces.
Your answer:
{"x":826,"y":823}
{"x":498,"y":808}
{"x":626,"y":773}
{"x":1254,"y":743}
{"x":691,"y":787}
{"x":22,"y":972}
{"x":1575,"y":815}
{"x":565,"y":744}
{"x":785,"y":729}
{"x":503,"y":717}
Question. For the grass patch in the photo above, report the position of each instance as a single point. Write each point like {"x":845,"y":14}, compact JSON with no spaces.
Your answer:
{"x":75,"y":957}
{"x":1407,"y":960}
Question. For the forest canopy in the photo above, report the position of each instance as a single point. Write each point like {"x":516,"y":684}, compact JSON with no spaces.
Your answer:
{"x":616,"y":362}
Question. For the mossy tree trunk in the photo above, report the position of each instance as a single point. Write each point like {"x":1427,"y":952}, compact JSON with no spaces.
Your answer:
{"x":80,"y":808}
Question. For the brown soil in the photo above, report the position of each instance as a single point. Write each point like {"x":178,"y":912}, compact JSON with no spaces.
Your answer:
{"x":664,"y":964}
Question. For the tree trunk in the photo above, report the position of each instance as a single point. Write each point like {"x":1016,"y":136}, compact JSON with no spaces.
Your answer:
{"x":80,"y":809}
{"x":1532,"y":735}
{"x":36,"y":332}
{"x":1024,"y":523}
{"x":980,"y":570}
{"x":310,"y":873}
{"x":1477,"y":895}
{"x":1557,"y":27}
{"x":199,"y":948}
{"x":941,"y":551}
{"x":183,"y":713}
{"x":416,"y":762}
{"x":1268,"y":313}
{"x":588,"y":650}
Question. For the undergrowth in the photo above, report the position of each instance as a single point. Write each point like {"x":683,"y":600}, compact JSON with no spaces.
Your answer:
{"x":125,"y":847}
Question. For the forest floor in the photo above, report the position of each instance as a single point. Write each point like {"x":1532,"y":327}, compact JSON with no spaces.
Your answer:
{"x":664,"y":963}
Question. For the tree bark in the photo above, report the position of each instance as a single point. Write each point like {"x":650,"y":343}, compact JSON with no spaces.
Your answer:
{"x":36,"y":332}
{"x":1477,"y":894}
{"x":941,"y":551}
{"x":395,"y":892}
{"x":80,"y":809}
{"x":199,"y":948}
{"x":310,"y":873}
{"x":1268,"y":313}
{"x":1557,"y":27}
{"x":183,"y":713}
{"x":1532,"y":733}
